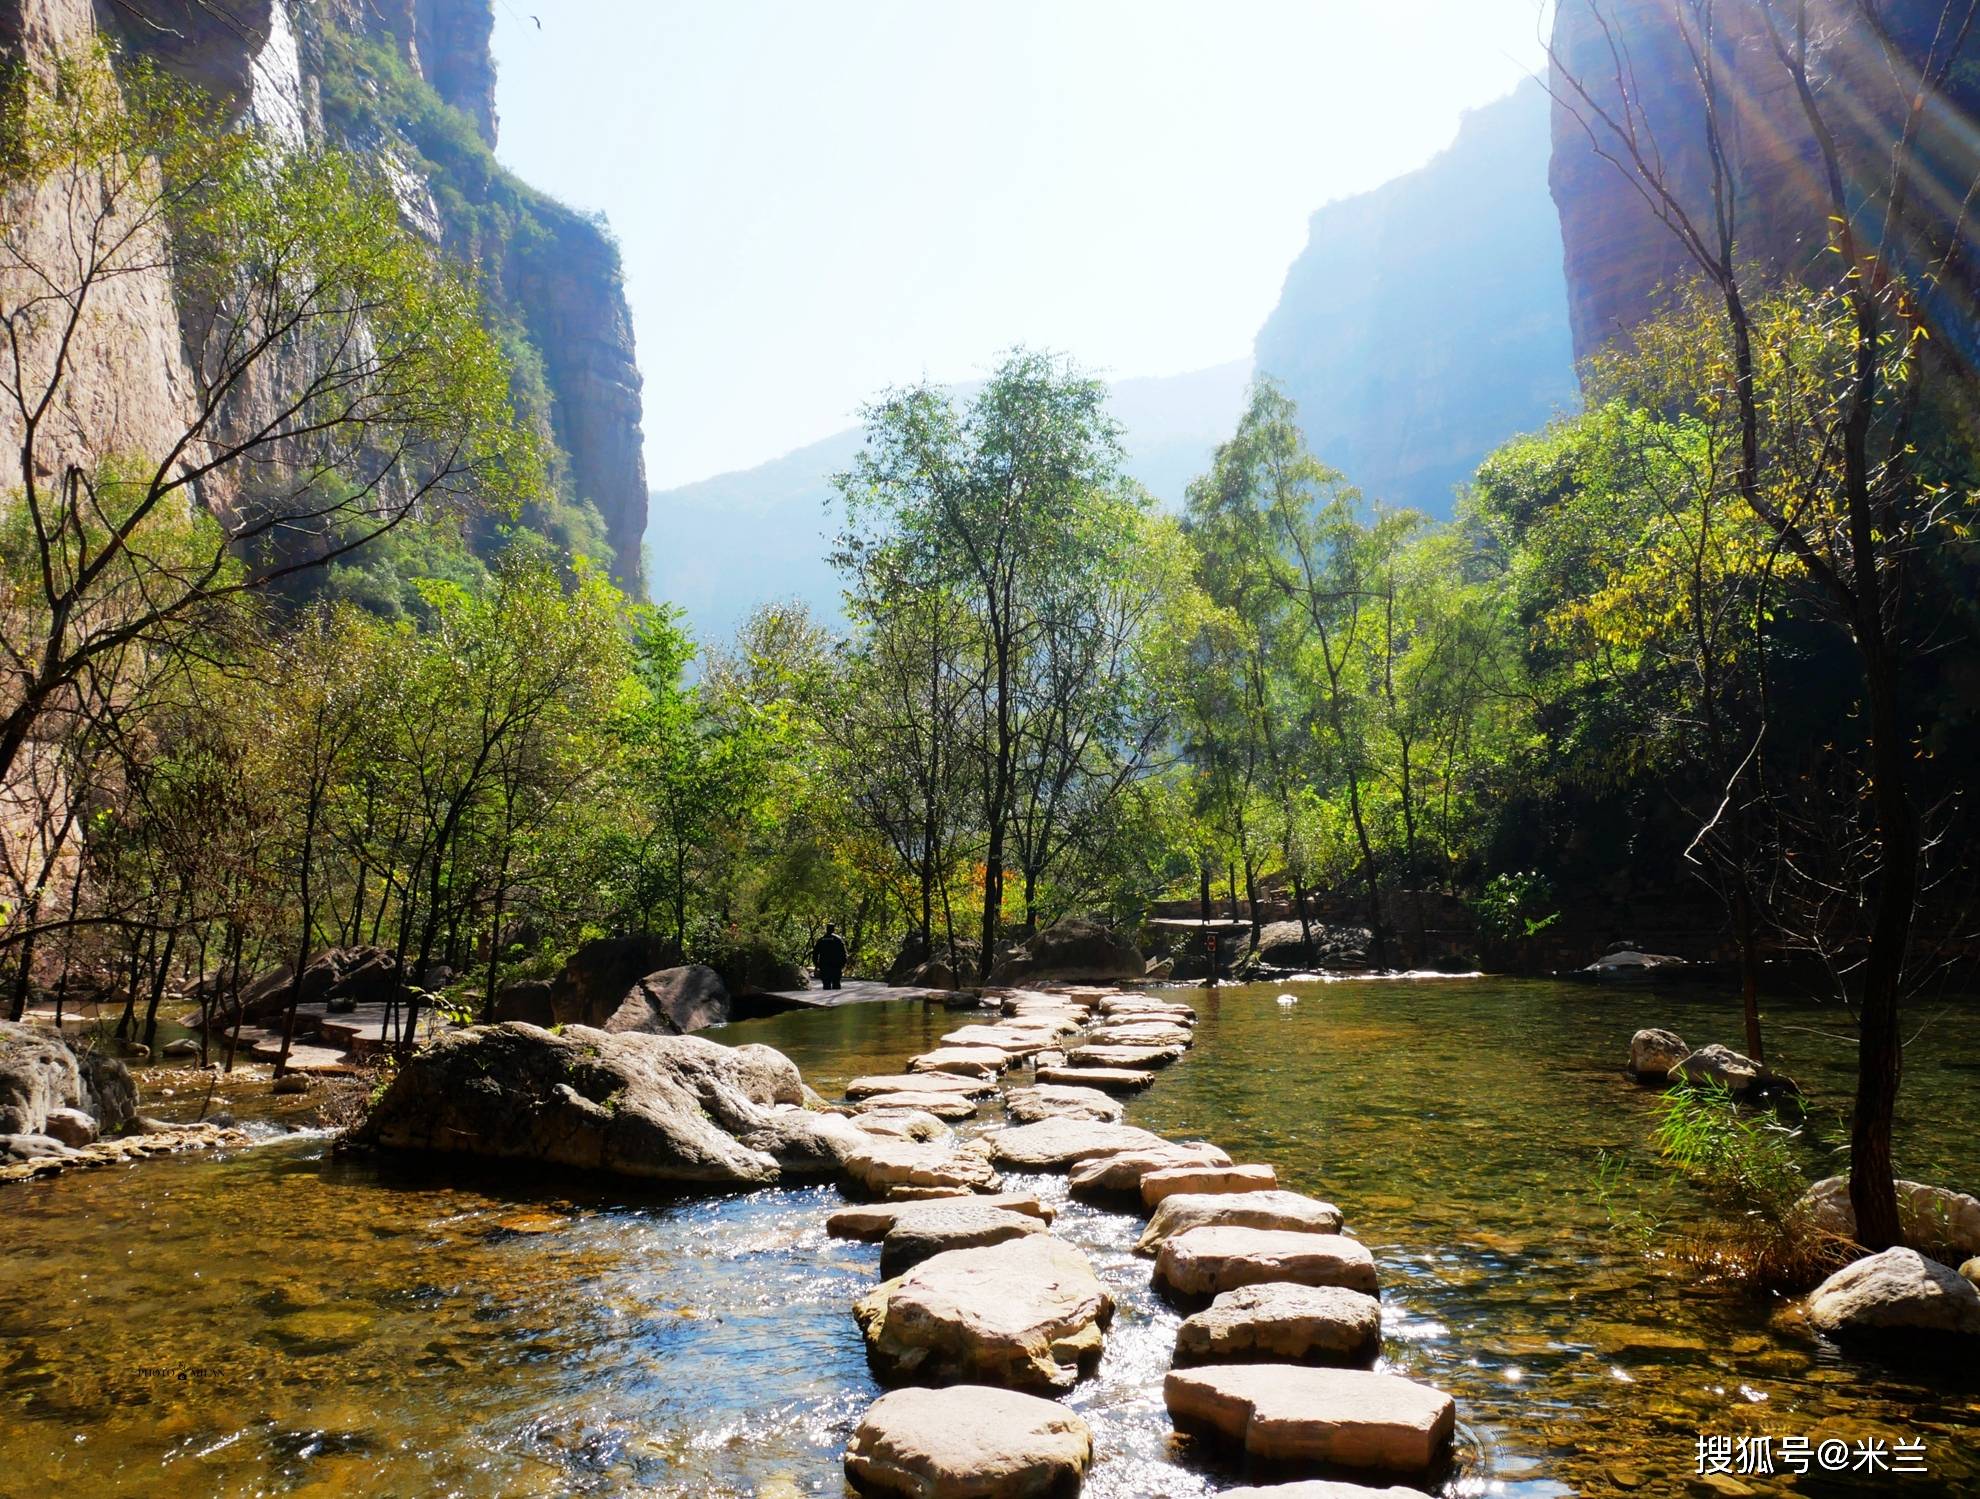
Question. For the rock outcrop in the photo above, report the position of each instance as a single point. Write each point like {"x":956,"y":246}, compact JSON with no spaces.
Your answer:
{"x":1073,"y":949}
{"x":46,"y":1079}
{"x":665,"y":1108}
{"x":672,"y":1002}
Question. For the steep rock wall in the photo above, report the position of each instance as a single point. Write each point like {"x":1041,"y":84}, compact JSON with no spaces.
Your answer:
{"x":1635,"y":60}
{"x":423,"y":81}
{"x":1426,"y":322}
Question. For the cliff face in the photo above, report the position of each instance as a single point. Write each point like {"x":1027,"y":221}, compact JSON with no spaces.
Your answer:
{"x":410,"y":84}
{"x":1617,"y":255}
{"x":1426,"y":321}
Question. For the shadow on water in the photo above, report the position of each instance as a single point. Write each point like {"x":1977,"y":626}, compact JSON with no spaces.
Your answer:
{"x":283,"y":1321}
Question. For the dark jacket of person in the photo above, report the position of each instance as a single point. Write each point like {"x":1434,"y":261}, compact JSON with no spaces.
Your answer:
{"x":829,"y":953}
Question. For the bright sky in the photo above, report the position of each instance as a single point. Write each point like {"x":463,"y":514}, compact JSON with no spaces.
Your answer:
{"x":819,"y":198}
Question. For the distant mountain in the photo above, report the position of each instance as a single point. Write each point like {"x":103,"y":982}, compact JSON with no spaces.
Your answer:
{"x":719,"y":547}
{"x":1427,"y":321}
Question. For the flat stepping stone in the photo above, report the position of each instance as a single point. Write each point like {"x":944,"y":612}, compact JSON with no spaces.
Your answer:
{"x":932,"y":1228}
{"x":1131,"y":1058}
{"x":1120,"y":1173}
{"x":1207,"y":1262}
{"x":900,"y":1124}
{"x":1014,"y":1043}
{"x":1338,"y":1418}
{"x":1106,"y":1079}
{"x":1025,"y":1314}
{"x":875,"y":1220}
{"x":1053,"y":1101}
{"x":1141,"y":1033}
{"x":968,"y":1442}
{"x":1157,"y":1185}
{"x":920,"y":1082}
{"x":941,"y":1105}
{"x":1184,"y":1211}
{"x":1059,"y":1144}
{"x":1284,"y":1324}
{"x":964,"y":1061}
{"x":896,"y":1169}
{"x":1142,"y":1004}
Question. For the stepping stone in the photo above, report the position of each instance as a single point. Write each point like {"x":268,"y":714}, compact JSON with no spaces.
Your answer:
{"x":1184,"y":1211}
{"x":1141,"y":1033}
{"x":1284,"y":1324}
{"x":1013,"y":1042}
{"x":1157,"y":1185}
{"x":1315,"y":1418}
{"x":893,"y":1169}
{"x":941,"y":1105}
{"x":1142,"y":1004}
{"x":1059,"y":1144}
{"x":1206,"y":1262}
{"x":920,"y":1082}
{"x":900,"y":1124}
{"x":968,"y":1442}
{"x":1024,"y":1314}
{"x":1130,"y":1057}
{"x":874,"y":1220}
{"x":1120,"y":1174}
{"x":1051,"y":1101}
{"x":1107,"y":1079}
{"x":932,"y":1228}
{"x":964,"y":1061}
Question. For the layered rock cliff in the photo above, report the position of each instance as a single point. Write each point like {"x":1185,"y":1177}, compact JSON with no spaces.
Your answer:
{"x":1627,"y":73}
{"x":1426,"y":321}
{"x":410,"y":84}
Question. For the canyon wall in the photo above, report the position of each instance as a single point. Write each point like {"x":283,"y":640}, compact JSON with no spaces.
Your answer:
{"x":1426,"y":322}
{"x":1637,"y":63}
{"x":409,"y":84}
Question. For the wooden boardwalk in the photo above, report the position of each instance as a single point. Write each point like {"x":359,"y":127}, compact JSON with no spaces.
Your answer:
{"x":851,"y":992}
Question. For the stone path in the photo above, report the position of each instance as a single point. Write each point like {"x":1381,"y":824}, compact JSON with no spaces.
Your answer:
{"x":987,"y":1317}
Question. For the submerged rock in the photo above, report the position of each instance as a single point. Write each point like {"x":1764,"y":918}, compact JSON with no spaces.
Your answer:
{"x":1026,"y":1314}
{"x":1180,"y":1213}
{"x":1205,"y":1262}
{"x":1898,"y":1297}
{"x":1653,"y":1053}
{"x":1340,"y":1418}
{"x":1279,"y":1323}
{"x":968,"y":1442}
{"x":1935,"y":1220}
{"x":669,"y":1108}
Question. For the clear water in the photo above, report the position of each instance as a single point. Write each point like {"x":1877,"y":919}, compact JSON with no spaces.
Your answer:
{"x":287,"y":1322}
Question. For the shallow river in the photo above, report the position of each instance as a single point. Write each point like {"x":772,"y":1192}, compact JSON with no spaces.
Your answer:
{"x":283,"y":1322}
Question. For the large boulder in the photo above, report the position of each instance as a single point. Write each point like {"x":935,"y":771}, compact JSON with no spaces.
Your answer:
{"x":1025,"y":1314}
{"x":1934,"y":1220}
{"x":1721,"y":1066}
{"x":1072,"y":949}
{"x":1284,"y":1324}
{"x":598,"y":975}
{"x":968,"y":1442}
{"x":1292,"y":1415}
{"x":755,"y":967}
{"x":667,"y":1108}
{"x":42,"y":1071}
{"x":1206,"y":1262}
{"x":527,"y":1000}
{"x":1282,"y":944}
{"x":1898,"y":1298}
{"x":672,"y":1002}
{"x":806,"y":1142}
{"x":1184,"y":1211}
{"x":1653,"y":1053}
{"x":1060,"y":1144}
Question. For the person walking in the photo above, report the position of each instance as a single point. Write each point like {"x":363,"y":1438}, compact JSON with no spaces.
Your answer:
{"x":829,"y":953}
